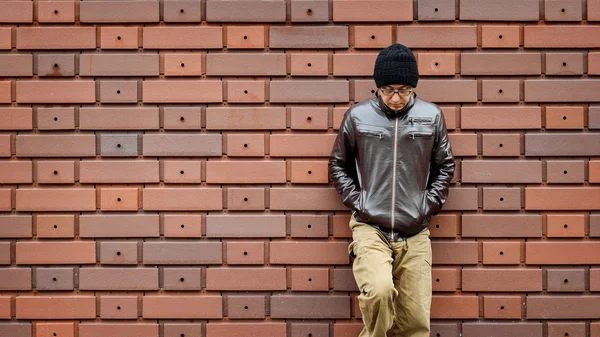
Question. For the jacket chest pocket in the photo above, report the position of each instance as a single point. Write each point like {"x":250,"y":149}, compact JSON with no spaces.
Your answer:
{"x":372,"y":131}
{"x":419,"y":128}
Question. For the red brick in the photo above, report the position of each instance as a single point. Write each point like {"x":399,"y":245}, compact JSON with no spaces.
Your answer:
{"x":245,"y":199}
{"x":561,"y":329}
{"x":562,"y":252}
{"x":53,"y":38}
{"x":245,"y":118}
{"x":562,"y":10}
{"x":309,"y":118}
{"x":502,"y":198}
{"x":15,"y":329}
{"x":118,"y":92}
{"x":5,"y":307}
{"x":445,"y":279}
{"x":444,"y":226}
{"x":501,"y":171}
{"x":56,"y":65}
{"x":307,"y":252}
{"x":363,"y":90}
{"x":501,"y":279}
{"x":182,"y":171}
{"x":437,"y":64}
{"x":455,"y":307}
{"x":309,"y":225}
{"x":5,"y":145}
{"x":505,"y":36}
{"x":454,"y":252}
{"x":245,"y":37}
{"x":310,"y":279}
{"x":182,"y":199}
{"x":502,"y":252}
{"x":16,"y":279}
{"x":161,"y":37}
{"x":299,"y":329}
{"x":245,"y":145}
{"x":55,"y":226}
{"x":565,"y":224}
{"x":305,"y":198}
{"x":56,"y":118}
{"x":119,"y":37}
{"x":16,"y":11}
{"x":347,"y":328}
{"x":46,"y":12}
{"x":310,"y":11}
{"x":226,"y":329}
{"x":506,"y":117}
{"x":118,"y":118}
{"x":502,"y":329}
{"x":564,"y":144}
{"x":183,"y":118}
{"x":594,"y":171}
{"x":510,"y":10}
{"x":16,"y":65}
{"x":56,"y":252}
{"x":254,"y":226}
{"x":5,"y":38}
{"x":309,"y":172}
{"x":184,"y":225}
{"x":301,"y":145}
{"x":56,"y":199}
{"x":123,"y":11}
{"x":593,"y":11}
{"x":461,"y":198}
{"x":562,"y":198}
{"x":190,"y":307}
{"x":245,"y":64}
{"x":6,"y":199}
{"x":303,"y":91}
{"x":16,"y":226}
{"x":565,"y":171}
{"x":246,"y":279}
{"x":118,"y":307}
{"x":353,"y":64}
{"x":246,"y":91}
{"x":55,"y":92}
{"x":373,"y":37}
{"x":501,"y":225}
{"x":559,"y":36}
{"x":16,"y":171}
{"x":437,"y":36}
{"x":562,"y":307}
{"x":309,"y":64}
{"x":119,"y":199}
{"x":65,"y":307}
{"x":245,"y":307}
{"x":594,"y":279}
{"x":564,"y":117}
{"x":182,"y":252}
{"x":502,"y":307}
{"x":566,"y":280}
{"x":309,"y":306}
{"x":245,"y":11}
{"x":114,"y":279}
{"x":118,"y":225}
{"x":380,"y":10}
{"x":593,"y":63}
{"x":463,"y":144}
{"x":504,"y":63}
{"x":245,"y":172}
{"x":180,"y":144}
{"x":579,"y":90}
{"x":184,"y":64}
{"x":564,"y":64}
{"x":501,"y":91}
{"x":118,"y":329}
{"x":5,"y":92}
{"x":245,"y":252}
{"x":447,"y":91}
{"x":292,"y":37}
{"x":501,"y":144}
{"x":190,"y":91}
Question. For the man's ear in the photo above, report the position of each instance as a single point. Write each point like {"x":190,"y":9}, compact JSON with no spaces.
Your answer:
{"x":376,"y":92}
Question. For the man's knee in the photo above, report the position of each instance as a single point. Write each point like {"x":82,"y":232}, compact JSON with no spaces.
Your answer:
{"x":380,"y":291}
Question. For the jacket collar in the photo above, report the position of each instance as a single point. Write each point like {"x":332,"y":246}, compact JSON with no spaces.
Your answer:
{"x":395,"y":113}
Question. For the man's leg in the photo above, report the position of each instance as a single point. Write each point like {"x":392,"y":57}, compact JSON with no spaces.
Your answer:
{"x":373,"y":273}
{"x":412,"y":279}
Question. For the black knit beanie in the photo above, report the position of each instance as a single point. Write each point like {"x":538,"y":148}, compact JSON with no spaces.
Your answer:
{"x":396,"y":64}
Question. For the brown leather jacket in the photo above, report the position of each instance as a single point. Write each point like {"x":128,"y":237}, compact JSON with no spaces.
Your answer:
{"x":393,"y":168}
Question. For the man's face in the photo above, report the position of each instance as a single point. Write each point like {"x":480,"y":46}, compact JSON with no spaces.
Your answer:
{"x":395,"y":101}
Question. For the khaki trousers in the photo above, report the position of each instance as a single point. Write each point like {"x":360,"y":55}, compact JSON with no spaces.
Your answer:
{"x":394,"y":279}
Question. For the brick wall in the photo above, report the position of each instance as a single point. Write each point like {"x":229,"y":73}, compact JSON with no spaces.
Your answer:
{"x":164,"y":164}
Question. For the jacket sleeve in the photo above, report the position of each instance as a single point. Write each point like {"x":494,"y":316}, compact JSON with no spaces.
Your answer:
{"x":442,"y":168}
{"x":342,"y":164}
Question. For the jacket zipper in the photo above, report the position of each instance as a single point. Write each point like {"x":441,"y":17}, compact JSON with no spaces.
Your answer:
{"x":394,"y":177}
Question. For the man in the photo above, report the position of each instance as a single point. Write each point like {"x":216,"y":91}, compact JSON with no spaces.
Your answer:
{"x":392,"y":163}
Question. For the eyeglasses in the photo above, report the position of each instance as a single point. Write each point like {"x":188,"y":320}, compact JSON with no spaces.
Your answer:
{"x":391,"y":92}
